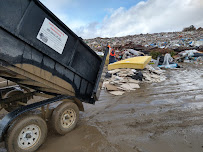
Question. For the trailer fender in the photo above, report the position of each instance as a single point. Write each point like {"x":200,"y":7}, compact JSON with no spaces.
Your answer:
{"x":79,"y":104}
{"x":73,"y":99}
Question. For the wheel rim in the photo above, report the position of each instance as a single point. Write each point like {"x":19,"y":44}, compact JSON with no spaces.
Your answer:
{"x":68,"y":118}
{"x":29,"y":136}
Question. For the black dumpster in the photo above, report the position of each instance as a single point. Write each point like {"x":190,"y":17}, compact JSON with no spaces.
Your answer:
{"x":39,"y":51}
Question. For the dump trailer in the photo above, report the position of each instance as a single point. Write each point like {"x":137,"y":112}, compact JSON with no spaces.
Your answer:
{"x":41,"y":56}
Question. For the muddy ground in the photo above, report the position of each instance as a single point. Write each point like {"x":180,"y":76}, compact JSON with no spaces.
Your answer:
{"x":158,"y":117}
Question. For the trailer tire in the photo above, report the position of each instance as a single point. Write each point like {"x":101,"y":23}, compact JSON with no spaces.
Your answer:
{"x":65,"y":117}
{"x":26,"y":134}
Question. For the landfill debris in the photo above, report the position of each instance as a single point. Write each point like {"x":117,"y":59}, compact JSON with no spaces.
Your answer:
{"x":165,"y":41}
{"x":114,"y":71}
{"x":110,"y":87}
{"x":129,"y":86}
{"x":138,"y":76}
{"x":117,"y":93}
{"x":168,"y":62}
{"x":108,"y":75}
{"x":190,"y":56}
{"x":130,"y":79}
{"x":104,"y":84}
{"x":167,"y":49}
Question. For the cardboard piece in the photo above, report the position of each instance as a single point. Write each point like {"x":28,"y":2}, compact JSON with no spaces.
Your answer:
{"x":117,"y":93}
{"x":126,"y":87}
{"x":134,"y":85}
{"x":110,"y":87}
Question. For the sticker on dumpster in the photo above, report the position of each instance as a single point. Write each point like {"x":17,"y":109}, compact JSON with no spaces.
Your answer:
{"x":52,"y":36}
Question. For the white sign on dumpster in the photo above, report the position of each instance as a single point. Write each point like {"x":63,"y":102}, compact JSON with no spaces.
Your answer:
{"x":52,"y":36}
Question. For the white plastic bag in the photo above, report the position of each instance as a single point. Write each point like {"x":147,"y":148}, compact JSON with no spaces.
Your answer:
{"x":167,"y":59}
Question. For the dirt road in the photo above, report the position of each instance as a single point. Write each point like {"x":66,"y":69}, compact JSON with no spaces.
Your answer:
{"x":159,"y":117}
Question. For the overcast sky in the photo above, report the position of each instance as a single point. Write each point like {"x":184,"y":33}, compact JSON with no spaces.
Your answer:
{"x":114,"y":18}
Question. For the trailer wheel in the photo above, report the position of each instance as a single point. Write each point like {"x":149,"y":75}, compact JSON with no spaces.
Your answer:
{"x":26,"y":134}
{"x":65,"y":117}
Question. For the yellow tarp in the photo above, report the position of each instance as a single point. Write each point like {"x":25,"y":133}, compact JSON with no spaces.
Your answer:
{"x":134,"y":63}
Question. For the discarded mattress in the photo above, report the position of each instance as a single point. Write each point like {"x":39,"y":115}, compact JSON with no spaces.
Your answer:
{"x":133,"y":63}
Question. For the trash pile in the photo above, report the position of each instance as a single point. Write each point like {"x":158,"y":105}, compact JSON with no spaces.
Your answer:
{"x":143,"y":42}
{"x":118,"y":81}
{"x":166,"y":62}
{"x":165,"y":49}
{"x":190,"y":56}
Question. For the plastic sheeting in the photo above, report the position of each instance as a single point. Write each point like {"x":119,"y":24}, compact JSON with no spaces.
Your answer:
{"x":167,"y":59}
